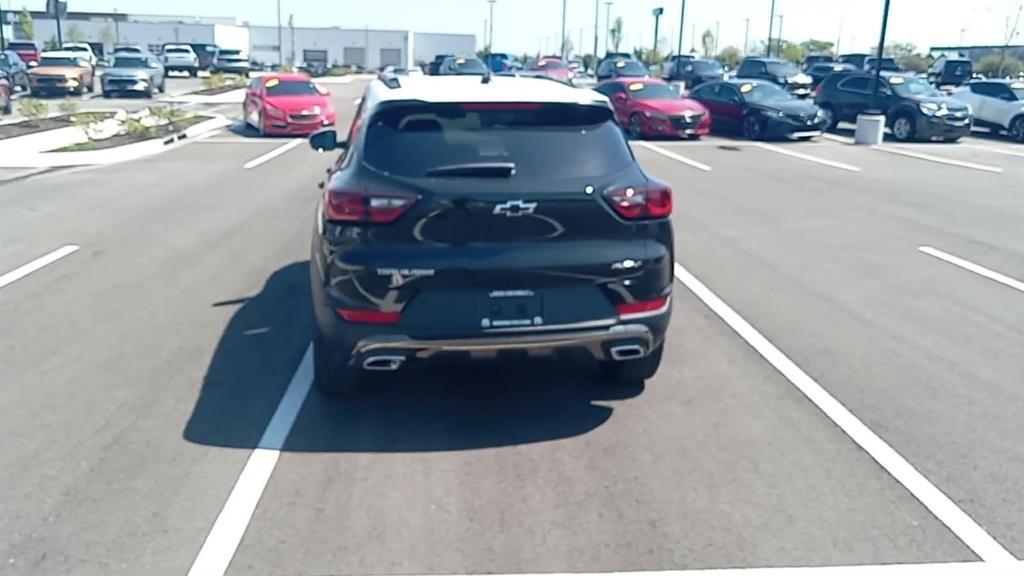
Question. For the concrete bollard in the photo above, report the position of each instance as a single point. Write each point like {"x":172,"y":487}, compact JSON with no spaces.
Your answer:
{"x":870,"y":129}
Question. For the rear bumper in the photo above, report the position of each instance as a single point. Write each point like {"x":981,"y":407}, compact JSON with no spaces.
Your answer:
{"x":612,"y":343}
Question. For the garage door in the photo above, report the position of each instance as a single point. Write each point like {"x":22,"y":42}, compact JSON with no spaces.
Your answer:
{"x":355,"y":56}
{"x":390,"y":56}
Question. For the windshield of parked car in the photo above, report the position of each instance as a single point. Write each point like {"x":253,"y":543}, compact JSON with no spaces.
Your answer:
{"x":290,"y":88}
{"x":230,"y":55}
{"x":651,"y":91}
{"x":548,"y":65}
{"x":469,"y":66}
{"x":76,"y":49}
{"x":706,"y":67}
{"x":910,"y":87}
{"x":784,"y":69}
{"x":59,"y":61}
{"x":763,"y":92}
{"x":129,"y":62}
{"x":630,"y":68}
{"x":543,"y":141}
{"x":177,"y":51}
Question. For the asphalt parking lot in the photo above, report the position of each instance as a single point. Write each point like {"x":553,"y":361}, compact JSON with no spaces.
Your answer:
{"x":842,"y":383}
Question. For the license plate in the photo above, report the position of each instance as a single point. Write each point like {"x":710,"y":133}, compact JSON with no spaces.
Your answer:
{"x":511,"y":309}
{"x":807,"y":134}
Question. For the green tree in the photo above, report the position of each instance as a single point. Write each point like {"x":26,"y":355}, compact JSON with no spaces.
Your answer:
{"x":51,"y":44}
{"x":730,"y":56}
{"x":28,"y":27}
{"x":74,"y":34}
{"x":588,"y":61}
{"x":792,"y":52}
{"x":616,"y":33}
{"x":994,"y":66}
{"x":813,"y":46}
{"x":107,"y":35}
{"x":913,"y":63}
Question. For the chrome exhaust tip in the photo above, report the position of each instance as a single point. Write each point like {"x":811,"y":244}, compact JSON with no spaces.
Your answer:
{"x":628,"y":352}
{"x":383,"y":363}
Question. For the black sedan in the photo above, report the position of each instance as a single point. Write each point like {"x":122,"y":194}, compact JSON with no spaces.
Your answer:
{"x":759,"y":110}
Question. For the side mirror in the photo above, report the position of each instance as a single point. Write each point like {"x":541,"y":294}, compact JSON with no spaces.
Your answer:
{"x":619,"y":97}
{"x":326,"y":140}
{"x":322,"y":91}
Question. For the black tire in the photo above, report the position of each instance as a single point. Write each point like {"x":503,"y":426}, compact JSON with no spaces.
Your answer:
{"x":903,"y":128}
{"x":106,"y":94}
{"x":1016,"y":131}
{"x":261,"y":126}
{"x":631,"y":372}
{"x":830,"y":113}
{"x":193,"y":73}
{"x":636,"y":127}
{"x":331,"y":375}
{"x":753,"y":128}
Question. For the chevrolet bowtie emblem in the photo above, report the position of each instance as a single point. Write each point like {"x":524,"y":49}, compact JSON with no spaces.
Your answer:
{"x":515,"y":208}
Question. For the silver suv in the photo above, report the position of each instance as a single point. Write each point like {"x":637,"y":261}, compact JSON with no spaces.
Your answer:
{"x":180,"y":58}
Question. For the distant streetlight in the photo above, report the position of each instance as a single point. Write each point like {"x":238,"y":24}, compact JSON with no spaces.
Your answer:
{"x":490,"y":34}
{"x":682,"y":26}
{"x":562,"y":41}
{"x":597,"y":23}
{"x":280,"y":37}
{"x":771,"y":30}
{"x":657,"y":12}
{"x":878,"y":62}
{"x":779,"y":41}
{"x":608,"y":24}
{"x":746,"y":37}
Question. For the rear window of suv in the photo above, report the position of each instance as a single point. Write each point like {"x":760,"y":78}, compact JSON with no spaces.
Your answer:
{"x":543,"y":141}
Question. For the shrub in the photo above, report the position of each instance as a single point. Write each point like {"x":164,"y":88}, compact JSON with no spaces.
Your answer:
{"x":989,"y":66}
{"x":67,"y":107}
{"x":34,"y":110}
{"x":214,"y":80}
{"x":135,"y":127}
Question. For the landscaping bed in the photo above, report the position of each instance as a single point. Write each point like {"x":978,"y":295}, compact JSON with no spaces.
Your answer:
{"x":217,"y":91}
{"x":26,"y":127}
{"x":134,"y":137}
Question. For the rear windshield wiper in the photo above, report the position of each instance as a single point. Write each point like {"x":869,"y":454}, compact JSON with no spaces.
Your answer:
{"x":476,"y":170}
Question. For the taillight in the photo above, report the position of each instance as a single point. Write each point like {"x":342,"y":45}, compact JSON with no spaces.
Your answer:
{"x":642,"y":309}
{"x":641,"y":202}
{"x":345,"y":205}
{"x":369,"y":316}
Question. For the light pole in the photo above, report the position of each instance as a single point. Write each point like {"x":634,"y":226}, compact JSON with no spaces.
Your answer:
{"x":3,"y":41}
{"x":597,"y":23}
{"x":778,"y":43}
{"x":562,"y":37}
{"x":746,"y":37}
{"x":718,"y":29}
{"x":878,"y":61}
{"x":657,"y":12}
{"x":607,"y":24}
{"x":771,"y":30}
{"x":490,"y":34}
{"x":280,"y":37}
{"x":682,"y":26}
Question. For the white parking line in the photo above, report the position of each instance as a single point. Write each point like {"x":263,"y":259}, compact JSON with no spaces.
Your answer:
{"x":996,"y":150}
{"x":272,"y":154}
{"x":838,"y":138}
{"x":972,"y":267}
{"x":965,"y":528}
{"x":808,"y":157}
{"x":225,"y":536}
{"x":941,"y":569}
{"x":938,"y":159}
{"x":674,"y":156}
{"x":41,"y":262}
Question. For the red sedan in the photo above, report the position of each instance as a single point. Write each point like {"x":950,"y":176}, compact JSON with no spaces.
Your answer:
{"x":646,"y":107}
{"x":551,"y":67}
{"x":287,"y":104}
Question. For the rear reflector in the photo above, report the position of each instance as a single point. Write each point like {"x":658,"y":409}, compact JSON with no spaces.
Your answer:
{"x":345,"y":205}
{"x":644,"y":308}
{"x":641,"y":202}
{"x":369,"y":316}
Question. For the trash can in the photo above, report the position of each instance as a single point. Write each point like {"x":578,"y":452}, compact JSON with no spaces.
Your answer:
{"x":870,"y":129}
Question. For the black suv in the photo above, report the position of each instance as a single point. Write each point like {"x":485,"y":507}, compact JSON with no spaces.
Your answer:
{"x":914,"y":109}
{"x":488,"y":216}
{"x":693,"y":73}
{"x":950,"y":71}
{"x":776,"y":70}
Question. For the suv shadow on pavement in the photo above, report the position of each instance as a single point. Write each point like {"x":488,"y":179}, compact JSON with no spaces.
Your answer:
{"x":440,"y":406}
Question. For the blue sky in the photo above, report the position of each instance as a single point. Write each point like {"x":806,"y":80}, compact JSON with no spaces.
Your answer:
{"x":532,"y":25}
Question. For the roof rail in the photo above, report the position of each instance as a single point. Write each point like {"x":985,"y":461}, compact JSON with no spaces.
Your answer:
{"x":390,"y":80}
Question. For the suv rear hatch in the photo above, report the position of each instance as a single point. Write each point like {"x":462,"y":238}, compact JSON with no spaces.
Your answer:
{"x":508,"y":215}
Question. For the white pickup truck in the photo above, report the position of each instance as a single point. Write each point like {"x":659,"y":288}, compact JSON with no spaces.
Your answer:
{"x":998,"y":105}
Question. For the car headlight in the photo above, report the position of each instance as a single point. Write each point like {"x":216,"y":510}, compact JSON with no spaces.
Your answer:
{"x":820,"y":114}
{"x":780,"y":114}
{"x":274,"y":112}
{"x":655,"y":116}
{"x":929,"y":108}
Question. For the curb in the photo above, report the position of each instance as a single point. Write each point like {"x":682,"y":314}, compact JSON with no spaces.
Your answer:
{"x":111,"y":155}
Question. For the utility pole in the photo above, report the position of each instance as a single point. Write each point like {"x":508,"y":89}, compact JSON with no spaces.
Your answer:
{"x":561,"y":41}
{"x":746,"y":37}
{"x":657,"y":20}
{"x":280,"y":37}
{"x":839,"y":38}
{"x":117,"y":28}
{"x":771,"y":30}
{"x":3,"y":41}
{"x":579,"y":48}
{"x":608,"y":25}
{"x":778,"y":52}
{"x":597,"y":24}
{"x":878,"y":63}
{"x":490,"y":35}
{"x":291,"y":34}
{"x":56,"y":15}
{"x":682,"y":26}
{"x":718,"y":29}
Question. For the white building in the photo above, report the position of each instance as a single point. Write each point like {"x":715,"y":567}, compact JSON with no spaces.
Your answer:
{"x":357,"y":46}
